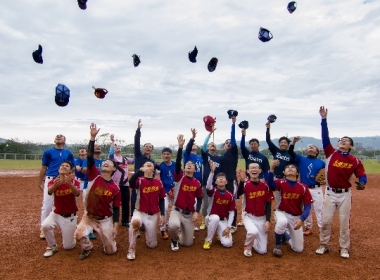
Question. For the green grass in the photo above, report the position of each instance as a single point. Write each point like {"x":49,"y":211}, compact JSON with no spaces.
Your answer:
{"x":371,"y":166}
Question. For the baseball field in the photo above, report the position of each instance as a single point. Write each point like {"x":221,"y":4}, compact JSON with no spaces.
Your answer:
{"x":22,"y":250}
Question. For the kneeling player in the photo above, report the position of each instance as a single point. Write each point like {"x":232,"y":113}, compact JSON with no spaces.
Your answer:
{"x":294,"y":207}
{"x":221,"y":210}
{"x":256,"y":210}
{"x":149,"y":202}
{"x":64,"y":215}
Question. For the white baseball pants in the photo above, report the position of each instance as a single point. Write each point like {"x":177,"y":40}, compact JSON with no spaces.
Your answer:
{"x":150,"y":222}
{"x":181,"y":228}
{"x":317,"y":206}
{"x":256,"y":237}
{"x":342,"y":203}
{"x":104,"y":230}
{"x":215,"y":225}
{"x":67,"y":226}
{"x":284,"y":220}
{"x":47,"y":201}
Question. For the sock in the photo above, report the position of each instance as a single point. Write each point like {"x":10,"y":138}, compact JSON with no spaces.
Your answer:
{"x":278,"y":238}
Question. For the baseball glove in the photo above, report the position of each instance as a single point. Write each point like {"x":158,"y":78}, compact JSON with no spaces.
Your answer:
{"x":360,"y":186}
{"x":320,"y":178}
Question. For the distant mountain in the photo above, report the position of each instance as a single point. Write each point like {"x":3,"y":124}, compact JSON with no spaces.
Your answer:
{"x":2,"y":140}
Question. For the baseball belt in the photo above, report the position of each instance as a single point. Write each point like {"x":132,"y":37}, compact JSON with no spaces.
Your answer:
{"x":99,"y":218}
{"x":185,"y":212}
{"x":338,"y":190}
{"x":313,"y":186}
{"x":68,"y":215}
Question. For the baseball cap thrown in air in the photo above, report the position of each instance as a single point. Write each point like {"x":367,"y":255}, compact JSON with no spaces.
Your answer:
{"x":62,"y":95}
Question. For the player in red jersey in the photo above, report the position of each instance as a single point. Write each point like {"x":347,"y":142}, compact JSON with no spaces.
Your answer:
{"x":340,"y":166}
{"x":187,"y":189}
{"x":150,"y":201}
{"x":64,"y":214}
{"x":294,"y":207}
{"x":256,"y":209}
{"x":102,"y":204}
{"x":221,"y":209}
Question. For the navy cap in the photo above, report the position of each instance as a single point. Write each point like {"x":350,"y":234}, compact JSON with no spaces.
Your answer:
{"x":265,"y":35}
{"x":82,"y":4}
{"x":292,"y":6}
{"x":37,"y":55}
{"x":232,"y":113}
{"x":62,"y":95}
{"x":136,"y":60}
{"x":193,"y":55}
{"x":212,"y":64}
{"x":272,"y":118}
{"x":244,"y":124}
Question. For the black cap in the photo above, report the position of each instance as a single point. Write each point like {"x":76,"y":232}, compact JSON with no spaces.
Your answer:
{"x":82,"y":4}
{"x":37,"y":55}
{"x":136,"y":60}
{"x":265,"y":35}
{"x":232,"y":113}
{"x":212,"y":64}
{"x":272,"y":118}
{"x":292,"y":6}
{"x":244,"y":124}
{"x":193,"y":55}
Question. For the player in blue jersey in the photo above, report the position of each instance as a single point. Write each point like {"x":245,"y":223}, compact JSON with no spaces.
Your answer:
{"x":253,"y":156}
{"x":228,"y":165}
{"x":208,"y":157}
{"x":281,"y":154}
{"x":51,"y":161}
{"x":79,"y":175}
{"x":167,"y":169}
{"x":191,"y":154}
{"x":309,"y":167}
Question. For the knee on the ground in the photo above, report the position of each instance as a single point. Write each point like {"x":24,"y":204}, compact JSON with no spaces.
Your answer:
{"x":70,"y":246}
{"x":151,"y":243}
{"x":227,"y":242}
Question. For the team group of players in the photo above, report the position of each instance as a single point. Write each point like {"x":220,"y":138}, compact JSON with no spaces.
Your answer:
{"x":208,"y":185}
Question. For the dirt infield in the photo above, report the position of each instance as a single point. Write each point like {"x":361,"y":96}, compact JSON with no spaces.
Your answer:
{"x":21,"y":249}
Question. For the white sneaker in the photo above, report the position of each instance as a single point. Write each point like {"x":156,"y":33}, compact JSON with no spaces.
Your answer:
{"x":131,"y":256}
{"x":174,"y":246}
{"x":344,"y":253}
{"x":196,"y":229}
{"x":50,"y":251}
{"x":321,"y":250}
{"x":247,"y":252}
{"x":233,"y":229}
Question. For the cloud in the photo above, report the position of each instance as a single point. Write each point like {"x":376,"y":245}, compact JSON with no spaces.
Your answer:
{"x":325,"y":53}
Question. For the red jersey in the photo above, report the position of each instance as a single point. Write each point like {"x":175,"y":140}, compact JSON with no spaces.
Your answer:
{"x":102,"y":195}
{"x":221,"y":202}
{"x":340,"y":167}
{"x":293,"y":197}
{"x":149,"y":191}
{"x":189,"y":190}
{"x":65,"y":201}
{"x":255,"y":197}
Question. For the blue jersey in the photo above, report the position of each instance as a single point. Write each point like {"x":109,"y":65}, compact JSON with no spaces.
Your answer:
{"x":52,"y":159}
{"x":79,"y":174}
{"x":167,"y":175}
{"x":98,"y":164}
{"x":188,"y":155}
{"x":309,"y":168}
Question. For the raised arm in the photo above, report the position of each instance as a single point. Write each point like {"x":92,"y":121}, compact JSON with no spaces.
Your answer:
{"x":137,"y":150}
{"x":189,"y":145}
{"x":233,"y":138}
{"x":272,"y":147}
{"x":243,"y":148}
{"x":205,"y":143}
{"x":181,"y":142}
{"x":112,"y":147}
{"x":291,"y":147}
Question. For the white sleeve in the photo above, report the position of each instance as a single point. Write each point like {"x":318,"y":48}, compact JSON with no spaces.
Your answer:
{"x":231,"y":215}
{"x":209,"y":185}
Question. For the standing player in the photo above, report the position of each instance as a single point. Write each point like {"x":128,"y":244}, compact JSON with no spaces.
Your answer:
{"x":102,"y":204}
{"x":309,"y":167}
{"x":256,"y":208}
{"x":149,"y":203}
{"x":341,"y":165}
{"x":121,"y":178}
{"x":187,"y":189}
{"x":79,"y":175}
{"x":253,"y":156}
{"x":281,"y":154}
{"x":228,"y":165}
{"x":167,"y":169}
{"x":64,"y":215}
{"x":221,"y":210}
{"x":294,"y":208}
{"x":51,"y":160}
{"x":140,"y":158}
{"x":208,"y":157}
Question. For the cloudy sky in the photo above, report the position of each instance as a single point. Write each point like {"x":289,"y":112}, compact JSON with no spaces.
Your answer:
{"x":325,"y":53}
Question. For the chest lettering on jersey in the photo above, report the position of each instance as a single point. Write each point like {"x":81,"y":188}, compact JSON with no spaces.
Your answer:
{"x":198,"y":166}
{"x":150,"y":189}
{"x":187,"y":188}
{"x":342,"y":164}
{"x":102,"y":191}
{"x":252,"y":195}
{"x":222,"y":201}
{"x":250,"y":157}
{"x":285,"y":158}
{"x":63,"y":192}
{"x":291,"y":195}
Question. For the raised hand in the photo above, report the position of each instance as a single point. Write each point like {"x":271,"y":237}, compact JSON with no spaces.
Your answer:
{"x":296,"y":139}
{"x":181,"y":141}
{"x":194,"y":133}
{"x":93,"y":131}
{"x":243,"y":131}
{"x":139,"y":124}
{"x":233,"y":119}
{"x":112,"y":138}
{"x":267,"y":124}
{"x":274,"y":163}
{"x":212,"y":130}
{"x":323,"y":112}
{"x":212,"y":166}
